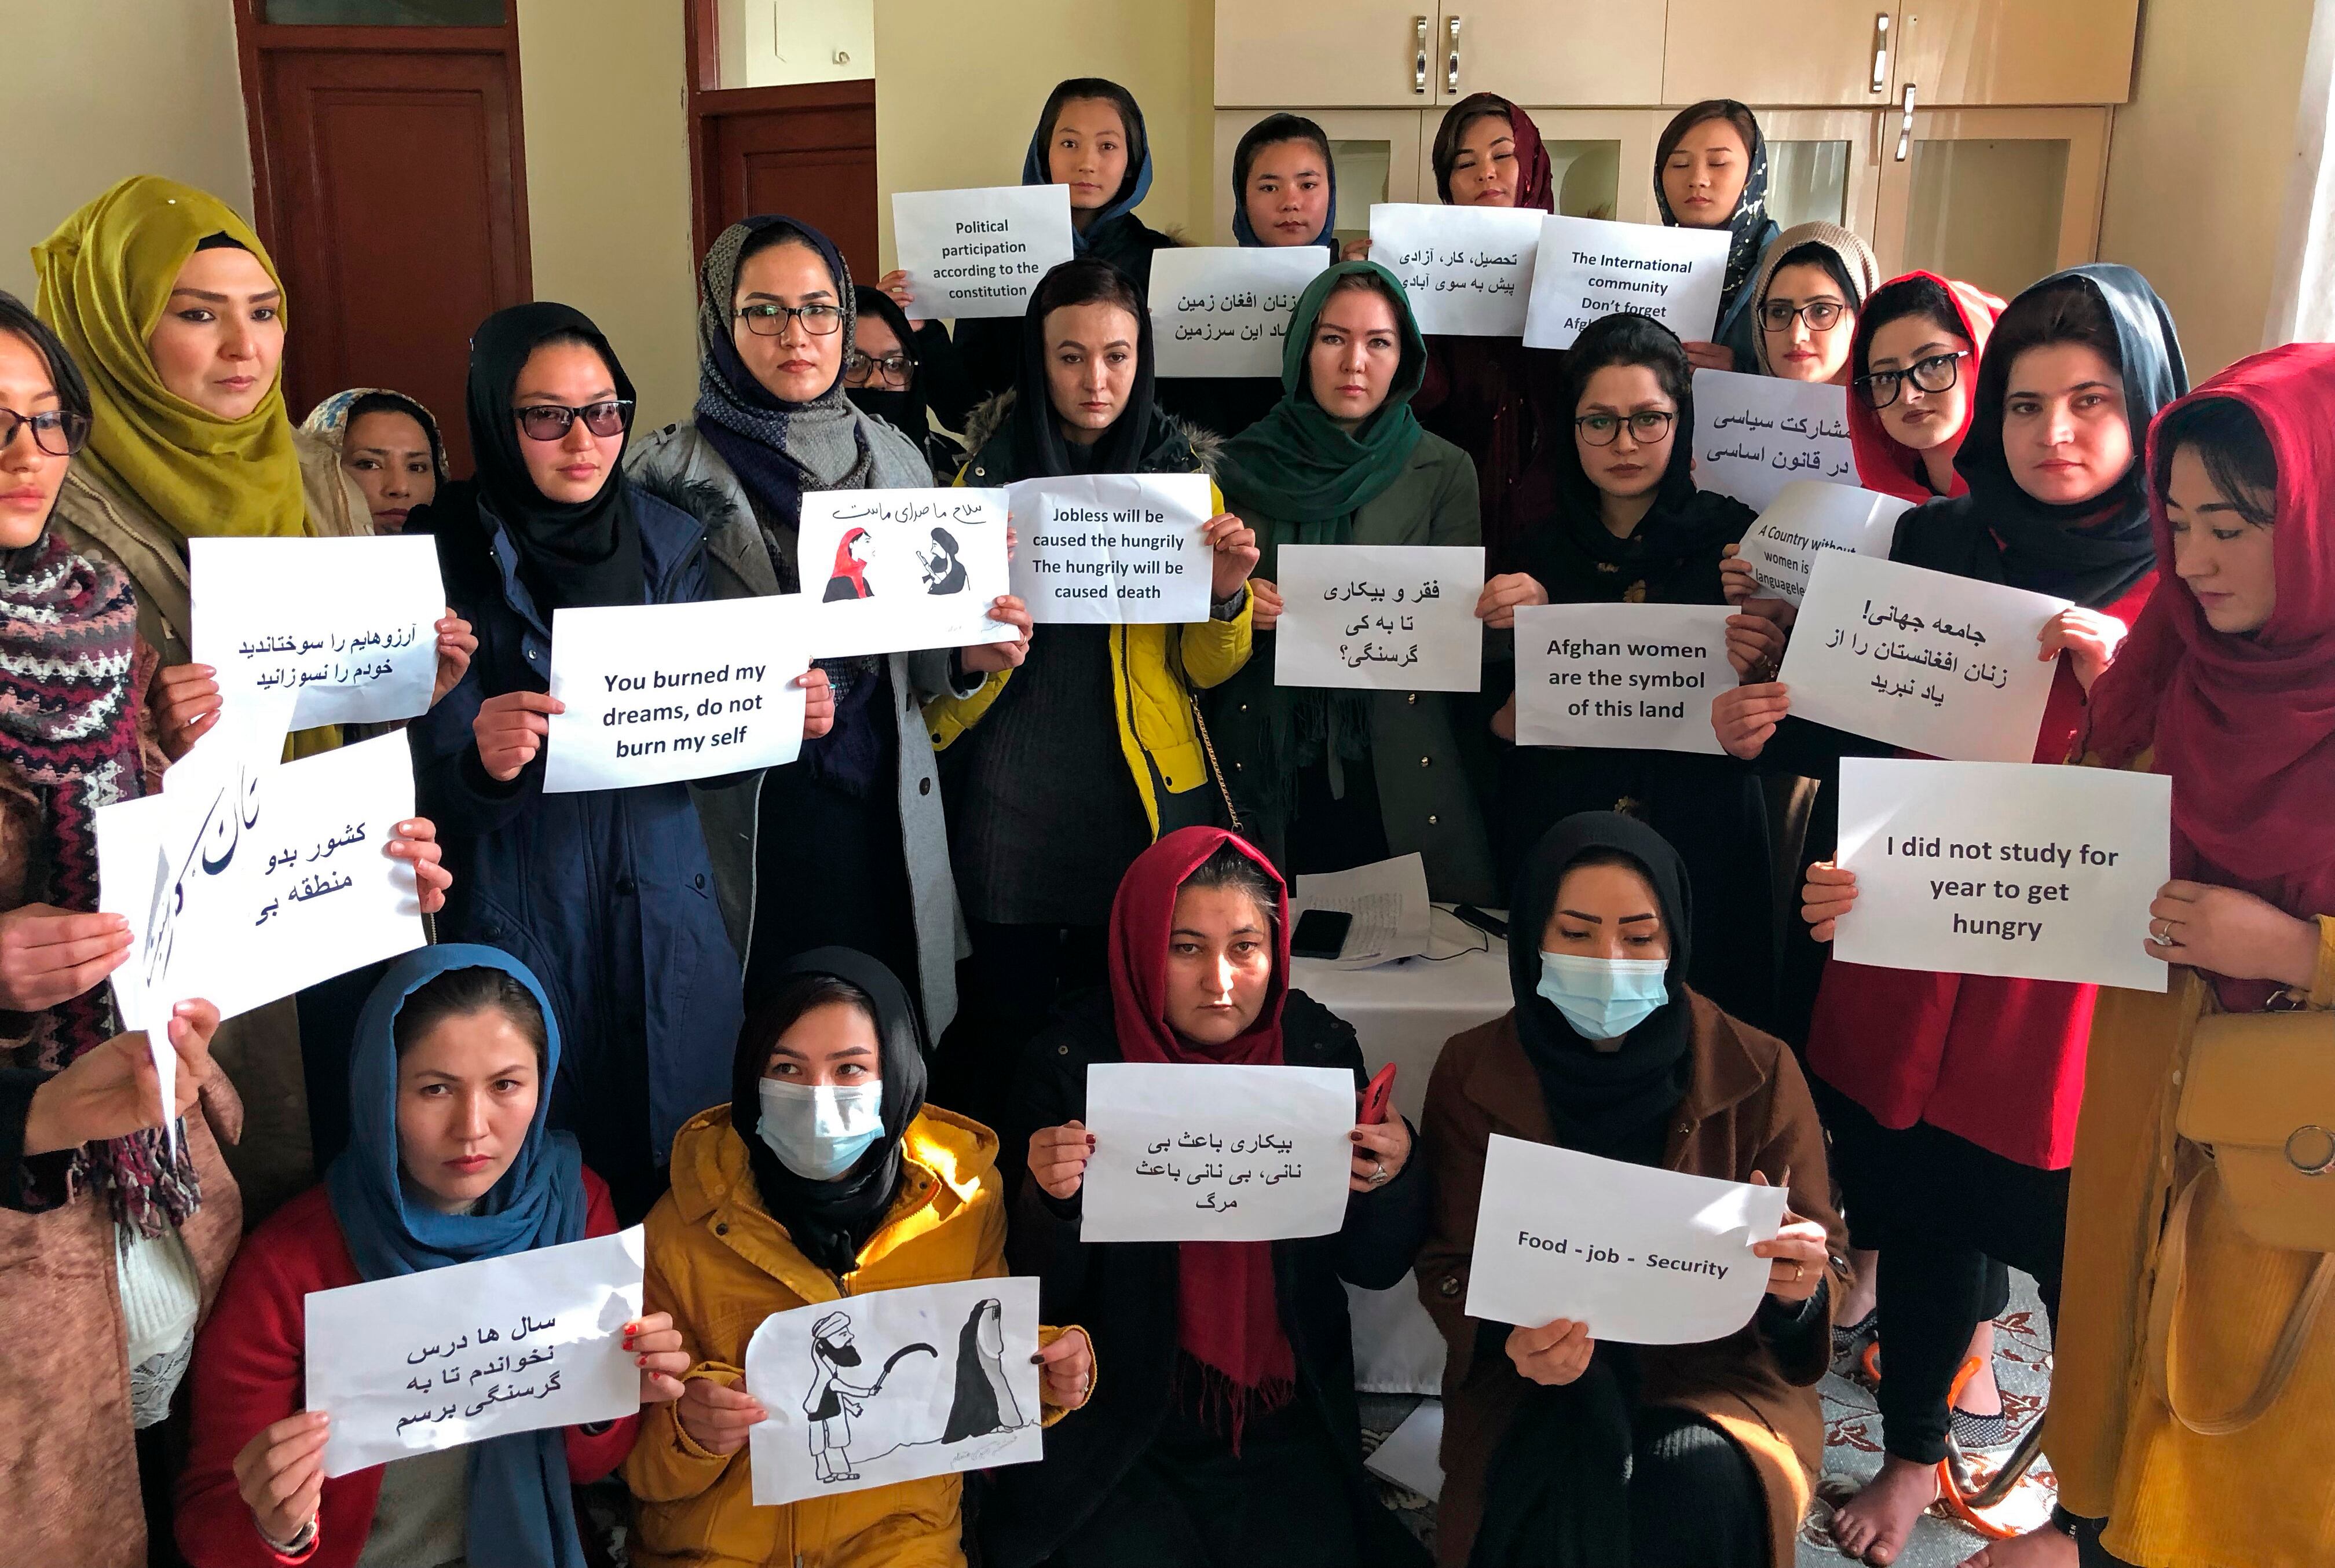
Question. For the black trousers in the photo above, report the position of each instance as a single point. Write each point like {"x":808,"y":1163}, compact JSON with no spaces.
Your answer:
{"x":1950,"y":1221}
{"x":1694,"y":1497}
{"x":830,"y":872}
{"x":1006,"y":990}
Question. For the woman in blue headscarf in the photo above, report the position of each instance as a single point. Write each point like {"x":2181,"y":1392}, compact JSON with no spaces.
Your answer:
{"x":448,"y":1162}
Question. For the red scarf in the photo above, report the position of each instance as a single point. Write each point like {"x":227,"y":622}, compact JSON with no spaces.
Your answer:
{"x":2245,"y":725}
{"x":849,"y":567}
{"x":1884,"y":462}
{"x":1227,"y":1317}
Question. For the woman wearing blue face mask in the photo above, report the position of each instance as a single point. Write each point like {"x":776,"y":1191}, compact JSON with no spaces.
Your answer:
{"x":826,"y":1175}
{"x":1559,"y":1450}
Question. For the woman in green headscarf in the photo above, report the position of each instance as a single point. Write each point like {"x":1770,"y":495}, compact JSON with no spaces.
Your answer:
{"x":1328,"y":779}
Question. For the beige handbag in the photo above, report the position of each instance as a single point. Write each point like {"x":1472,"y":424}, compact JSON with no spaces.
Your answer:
{"x":2259,"y":1098}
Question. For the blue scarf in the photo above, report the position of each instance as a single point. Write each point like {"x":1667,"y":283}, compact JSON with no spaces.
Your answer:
{"x":520,"y":1513}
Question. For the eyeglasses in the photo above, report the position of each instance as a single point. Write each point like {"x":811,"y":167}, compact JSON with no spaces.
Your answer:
{"x":1647,"y":426}
{"x":1933,"y":374}
{"x":770,"y":320}
{"x":1822,"y":315}
{"x":59,"y":432}
{"x":859,"y":370}
{"x":551,"y":422}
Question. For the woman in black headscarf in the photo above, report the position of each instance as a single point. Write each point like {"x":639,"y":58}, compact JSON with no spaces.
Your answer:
{"x":1711,"y":171}
{"x":608,"y":894}
{"x":885,"y":375}
{"x":1560,"y":1452}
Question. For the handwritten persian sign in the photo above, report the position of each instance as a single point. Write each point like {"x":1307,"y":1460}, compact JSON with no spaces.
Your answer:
{"x":448,"y":1356}
{"x":1936,"y":664}
{"x":1386,"y":617}
{"x":1754,"y":434}
{"x":1195,"y":1152}
{"x":661,"y":692}
{"x":1467,"y":270}
{"x":1809,"y":516}
{"x":1591,"y":267}
{"x":1627,"y":676}
{"x":894,"y":1385}
{"x":1109,"y":550}
{"x":349,"y":624}
{"x":1224,"y":310}
{"x":979,"y":253}
{"x":2004,"y":868}
{"x":907,"y":569}
{"x":1644,"y":1256}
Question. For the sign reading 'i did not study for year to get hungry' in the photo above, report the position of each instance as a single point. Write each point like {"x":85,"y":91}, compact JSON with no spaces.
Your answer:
{"x":1112,"y":549}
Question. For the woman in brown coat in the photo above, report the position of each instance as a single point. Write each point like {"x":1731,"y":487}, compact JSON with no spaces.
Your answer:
{"x":1559,"y":1450}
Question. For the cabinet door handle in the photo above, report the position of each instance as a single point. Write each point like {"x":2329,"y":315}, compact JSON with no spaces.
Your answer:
{"x":1880,"y":51}
{"x":1906,"y":126}
{"x":1451,"y":62}
{"x":1419,"y":61}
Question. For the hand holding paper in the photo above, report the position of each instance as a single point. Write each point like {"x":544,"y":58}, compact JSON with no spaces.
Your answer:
{"x":129,"y":1083}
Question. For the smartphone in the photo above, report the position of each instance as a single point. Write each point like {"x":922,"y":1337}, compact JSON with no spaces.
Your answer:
{"x":1320,"y":934}
{"x":1374,"y":1098}
{"x":1489,"y":924}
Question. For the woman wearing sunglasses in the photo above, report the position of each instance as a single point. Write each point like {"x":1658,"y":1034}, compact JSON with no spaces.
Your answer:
{"x":613,"y":898}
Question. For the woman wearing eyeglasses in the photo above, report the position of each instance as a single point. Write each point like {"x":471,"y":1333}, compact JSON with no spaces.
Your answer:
{"x":1810,"y":287}
{"x":613,"y":898}
{"x":1617,"y":518}
{"x":1911,"y":366}
{"x":884,"y":375}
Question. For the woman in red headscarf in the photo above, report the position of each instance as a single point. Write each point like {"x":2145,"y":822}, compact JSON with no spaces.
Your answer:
{"x":849,"y":578}
{"x":2226,"y":685}
{"x":1913,"y":367}
{"x":1227,"y":1433}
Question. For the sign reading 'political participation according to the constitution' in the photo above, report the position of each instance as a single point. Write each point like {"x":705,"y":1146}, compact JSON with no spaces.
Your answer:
{"x":980,"y":252}
{"x":1467,"y":270}
{"x":1589,"y":268}
{"x":1626,"y":676}
{"x":1107,"y":549}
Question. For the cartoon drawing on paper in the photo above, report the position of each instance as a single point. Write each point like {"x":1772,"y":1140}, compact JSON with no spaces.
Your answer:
{"x":849,"y":579}
{"x":985,"y":1401}
{"x":833,"y":1400}
{"x":943,"y":573}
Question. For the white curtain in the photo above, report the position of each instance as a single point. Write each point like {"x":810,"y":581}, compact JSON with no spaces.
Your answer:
{"x":2303,"y":291}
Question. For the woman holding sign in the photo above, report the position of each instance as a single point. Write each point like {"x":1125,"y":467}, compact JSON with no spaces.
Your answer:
{"x":1812,"y":283}
{"x":1711,"y":171}
{"x":1332,"y":779}
{"x":1954,"y":1141}
{"x":1226,"y":1432}
{"x":1066,"y":767}
{"x":450,"y":1161}
{"x":825,"y":1172}
{"x":850,"y":844}
{"x":1911,"y":371}
{"x":1609,"y":1052}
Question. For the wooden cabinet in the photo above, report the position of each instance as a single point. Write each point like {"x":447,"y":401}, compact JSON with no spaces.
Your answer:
{"x":1366,"y":54}
{"x":2017,"y":52}
{"x":1570,"y":52}
{"x":1356,"y":53}
{"x":1997,"y":196}
{"x":1811,"y":51}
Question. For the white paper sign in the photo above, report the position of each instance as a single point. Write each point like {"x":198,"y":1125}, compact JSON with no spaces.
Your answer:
{"x":980,"y":252}
{"x":894,"y":1385}
{"x":1754,"y":434}
{"x":349,"y":624}
{"x":1384,"y":617}
{"x":661,"y":692}
{"x":2004,"y":868}
{"x":1224,"y":310}
{"x":1644,"y":1256}
{"x":1467,"y":270}
{"x":1591,"y":267}
{"x":1936,"y":664}
{"x":906,"y":569}
{"x":1111,"y":549}
{"x":1202,"y":1152}
{"x":245,"y":883}
{"x":449,"y":1356}
{"x":1809,"y":516}
{"x":1624,"y":676}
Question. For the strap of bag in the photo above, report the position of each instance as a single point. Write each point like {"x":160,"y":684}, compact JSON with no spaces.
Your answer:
{"x":1231,"y":812}
{"x":2163,"y":1305}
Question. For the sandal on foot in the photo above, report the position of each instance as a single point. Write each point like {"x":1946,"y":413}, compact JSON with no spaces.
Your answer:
{"x":1976,"y":1433}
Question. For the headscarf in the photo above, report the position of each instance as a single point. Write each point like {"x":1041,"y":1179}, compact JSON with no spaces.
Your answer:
{"x":1040,"y":450}
{"x":106,"y":276}
{"x":1227,"y":1314}
{"x":904,"y":409}
{"x":519,"y":1509}
{"x":1849,"y":251}
{"x":330,"y":420}
{"x":848,"y":568}
{"x":1603,"y":1102}
{"x":2244,"y":725}
{"x":1243,"y":232}
{"x":2093,"y":552}
{"x":1884,"y":462}
{"x":1750,"y":223}
{"x":1133,"y":187}
{"x":1535,"y":186}
{"x":780,"y":449}
{"x":829,"y":1222}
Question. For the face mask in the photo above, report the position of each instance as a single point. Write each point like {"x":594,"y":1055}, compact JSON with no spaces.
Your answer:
{"x":898,"y":408}
{"x":819,"y":1131}
{"x":1604,"y":998}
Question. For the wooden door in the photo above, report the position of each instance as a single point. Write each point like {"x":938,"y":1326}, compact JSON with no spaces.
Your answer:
{"x":1348,"y":53}
{"x":2018,"y":52}
{"x":808,"y":151}
{"x":1995,"y":197}
{"x":390,"y":183}
{"x":1818,"y":53}
{"x":1572,"y":52}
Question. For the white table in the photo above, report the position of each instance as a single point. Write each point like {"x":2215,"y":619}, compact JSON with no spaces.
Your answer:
{"x":1404,"y":1012}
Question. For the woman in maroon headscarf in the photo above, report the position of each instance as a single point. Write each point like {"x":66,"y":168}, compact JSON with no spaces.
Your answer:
{"x":1227,"y":1432}
{"x":1913,"y":371}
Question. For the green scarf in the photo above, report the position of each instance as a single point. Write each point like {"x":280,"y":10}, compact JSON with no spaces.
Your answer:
{"x":1305,"y":478}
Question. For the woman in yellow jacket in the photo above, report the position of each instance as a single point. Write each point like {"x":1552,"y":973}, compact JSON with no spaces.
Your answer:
{"x":1049,"y":805}
{"x":827,"y":1175}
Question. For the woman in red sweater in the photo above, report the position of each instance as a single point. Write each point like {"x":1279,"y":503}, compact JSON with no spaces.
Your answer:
{"x":448,"y":1162}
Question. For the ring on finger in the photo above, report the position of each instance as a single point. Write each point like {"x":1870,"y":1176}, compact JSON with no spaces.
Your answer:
{"x":1379,"y":1175}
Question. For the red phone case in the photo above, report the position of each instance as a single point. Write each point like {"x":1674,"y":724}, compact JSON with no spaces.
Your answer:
{"x":1374,"y":1098}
